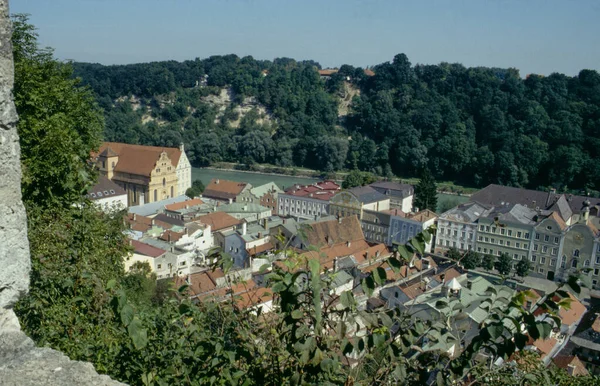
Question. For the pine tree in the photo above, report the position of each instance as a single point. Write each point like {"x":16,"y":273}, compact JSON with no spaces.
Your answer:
{"x":426,"y":192}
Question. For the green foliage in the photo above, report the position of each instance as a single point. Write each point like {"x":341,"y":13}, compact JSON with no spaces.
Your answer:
{"x":488,"y":262}
{"x":358,"y":178}
{"x":196,"y":189}
{"x":504,"y":264}
{"x":523,"y":267}
{"x":59,"y":123}
{"x":426,"y":192}
{"x":471,"y":260}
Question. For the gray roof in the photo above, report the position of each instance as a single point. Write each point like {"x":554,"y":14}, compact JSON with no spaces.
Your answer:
{"x":367,"y":194}
{"x":382,"y":218}
{"x":152,"y":208}
{"x":561,"y":206}
{"x":239,"y":207}
{"x":105,"y":188}
{"x":393,"y":189}
{"x":466,"y":213}
{"x":169,"y":220}
{"x":516,"y":213}
{"x":259,"y":191}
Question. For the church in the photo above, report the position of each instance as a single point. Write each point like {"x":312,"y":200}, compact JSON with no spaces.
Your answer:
{"x":147,"y":173}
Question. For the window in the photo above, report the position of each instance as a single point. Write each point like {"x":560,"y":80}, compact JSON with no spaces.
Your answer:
{"x":155,"y":195}
{"x":502,"y":231}
{"x":544,"y":249}
{"x":494,"y":229}
{"x":159,"y":266}
{"x":563,"y":262}
{"x":537,"y":236}
{"x":484,"y":250}
{"x":519,"y":234}
{"x":481,"y":227}
{"x":522,"y":257}
{"x":515,"y":256}
{"x":543,"y":260}
{"x":586,"y":263}
{"x":546,"y":238}
{"x":518,"y":245}
{"x":533,"y":258}
{"x":480,"y":238}
{"x":574,"y":263}
{"x":182,"y":263}
{"x":447,"y":243}
{"x":541,"y":270}
{"x":525,"y":245}
{"x":487,"y":228}
{"x":510,"y":232}
{"x":462,"y":234}
{"x":93,"y":195}
{"x":172,"y":191}
{"x":556,"y":240}
{"x":596,"y":271}
{"x":448,"y":232}
{"x":491,"y":251}
{"x":507,"y":243}
{"x":595,"y":282}
{"x":112,"y":191}
{"x":535,"y":247}
{"x":487,"y":239}
{"x":501,"y":242}
{"x":576,"y":253}
{"x":454,"y":244}
{"x":462,"y":245}
{"x":553,"y":262}
{"x":527,"y":235}
{"x":554,"y":251}
{"x":598,"y":259}
{"x":455,"y":233}
{"x":478,"y":249}
{"x":493,"y":241}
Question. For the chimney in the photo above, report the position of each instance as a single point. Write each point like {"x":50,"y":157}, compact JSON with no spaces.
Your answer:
{"x":168,"y":236}
{"x":153,"y":222}
{"x":142,"y":201}
{"x":348,"y":243}
{"x":231,"y":200}
{"x":244,"y":228}
{"x":335,"y":264}
{"x":259,"y":235}
{"x":217,"y":181}
{"x":134,"y":217}
{"x":339,"y":220}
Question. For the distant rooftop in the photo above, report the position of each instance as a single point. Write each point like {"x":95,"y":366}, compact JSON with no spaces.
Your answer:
{"x":322,"y":190}
{"x":105,"y":188}
{"x":154,"y":207}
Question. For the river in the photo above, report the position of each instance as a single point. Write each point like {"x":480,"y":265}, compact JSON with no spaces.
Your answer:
{"x":256,"y":179}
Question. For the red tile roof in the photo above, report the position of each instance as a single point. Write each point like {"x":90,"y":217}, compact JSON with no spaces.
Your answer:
{"x":260,"y":249}
{"x":322,"y":190}
{"x":566,"y":361}
{"x":146,"y":250}
{"x":137,"y":159}
{"x":325,"y":233}
{"x":170,"y":236}
{"x":218,"y":220}
{"x":574,"y":313}
{"x":184,"y":204}
{"x":223,"y":189}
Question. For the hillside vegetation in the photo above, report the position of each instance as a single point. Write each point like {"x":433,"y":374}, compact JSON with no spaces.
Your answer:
{"x":470,"y":125}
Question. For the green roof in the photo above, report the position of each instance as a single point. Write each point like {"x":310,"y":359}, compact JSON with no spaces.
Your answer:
{"x":261,"y":190}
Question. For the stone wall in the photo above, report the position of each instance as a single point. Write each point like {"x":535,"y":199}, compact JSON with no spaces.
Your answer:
{"x":21,"y":363}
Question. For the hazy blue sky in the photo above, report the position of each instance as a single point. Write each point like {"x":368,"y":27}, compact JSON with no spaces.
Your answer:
{"x":535,"y":36}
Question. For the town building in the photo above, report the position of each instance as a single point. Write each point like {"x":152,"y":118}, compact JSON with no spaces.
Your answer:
{"x":585,"y":343}
{"x":146,"y":173}
{"x":457,"y":227}
{"x":547,"y":246}
{"x":247,"y":212}
{"x":225,"y":190}
{"x":401,"y":195}
{"x":107,"y":195}
{"x":404,"y":227}
{"x":265,"y":195}
{"x":307,"y":201}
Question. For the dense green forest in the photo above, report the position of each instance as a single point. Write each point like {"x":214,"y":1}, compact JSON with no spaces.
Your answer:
{"x":470,"y":125}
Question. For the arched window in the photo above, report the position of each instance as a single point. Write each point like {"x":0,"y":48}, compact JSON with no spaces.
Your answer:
{"x":164,"y":181}
{"x":576,"y":253}
{"x":574,"y":263}
{"x":113,"y":164}
{"x":586,"y":263}
{"x":172,"y":191}
{"x":155,"y":195}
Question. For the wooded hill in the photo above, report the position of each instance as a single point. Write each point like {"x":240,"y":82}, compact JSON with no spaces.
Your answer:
{"x":470,"y":125}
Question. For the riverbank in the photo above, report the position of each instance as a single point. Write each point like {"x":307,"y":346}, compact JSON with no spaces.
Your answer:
{"x":445,"y":187}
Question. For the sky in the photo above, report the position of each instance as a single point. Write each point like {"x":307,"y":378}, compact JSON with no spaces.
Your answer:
{"x":534,"y":36}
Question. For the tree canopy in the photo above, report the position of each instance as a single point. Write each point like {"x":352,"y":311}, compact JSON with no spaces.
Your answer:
{"x":426,"y":192}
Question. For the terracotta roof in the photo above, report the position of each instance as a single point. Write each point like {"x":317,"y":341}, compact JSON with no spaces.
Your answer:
{"x":260,"y":249}
{"x":170,"y":236}
{"x":254,"y":297}
{"x":199,"y":282}
{"x":545,"y":346}
{"x":322,"y":190}
{"x":561,"y":223}
{"x":423,"y":215}
{"x":375,"y":252}
{"x":136,"y":226}
{"x":596,"y":324}
{"x":138,"y":159}
{"x":223,"y":189}
{"x":574,"y":313}
{"x":449,"y":274}
{"x":184,"y":204}
{"x":104,"y":188}
{"x":414,"y":290}
{"x":333,"y":232}
{"x":572,"y":361}
{"x":327,"y":72}
{"x":146,"y":250}
{"x":218,"y":220}
{"x":395,"y":212}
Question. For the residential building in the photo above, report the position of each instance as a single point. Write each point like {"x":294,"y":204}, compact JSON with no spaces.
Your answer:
{"x":457,"y":228}
{"x":579,"y":251}
{"x":184,"y":172}
{"x":401,"y":195}
{"x":219,"y":221}
{"x":107,"y":195}
{"x":242,"y":244}
{"x":248,"y":212}
{"x":186,"y":210}
{"x":547,"y":246}
{"x":160,"y":257}
{"x":307,"y":201}
{"x":225,"y":190}
{"x":147,"y":173}
{"x":406,"y":226}
{"x":506,"y":229}
{"x":585,"y":343}
{"x":376,"y":226}
{"x":265,"y":195}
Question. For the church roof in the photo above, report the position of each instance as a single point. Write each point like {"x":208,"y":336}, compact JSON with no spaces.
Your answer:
{"x":137,"y":159}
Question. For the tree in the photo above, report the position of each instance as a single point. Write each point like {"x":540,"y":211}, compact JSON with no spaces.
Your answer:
{"x":426,"y":192}
{"x":454,"y":254}
{"x":488,"y":262}
{"x":196,"y":189}
{"x":65,"y":128}
{"x":471,"y":260}
{"x":523,"y":267}
{"x":358,"y":178}
{"x":504,"y":264}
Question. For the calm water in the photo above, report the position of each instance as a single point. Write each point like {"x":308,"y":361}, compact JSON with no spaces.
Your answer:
{"x":257,"y":179}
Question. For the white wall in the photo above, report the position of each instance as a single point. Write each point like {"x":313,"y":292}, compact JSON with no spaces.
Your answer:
{"x":407,"y":204}
{"x":111,"y":203}
{"x":184,"y":174}
{"x":378,"y":205}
